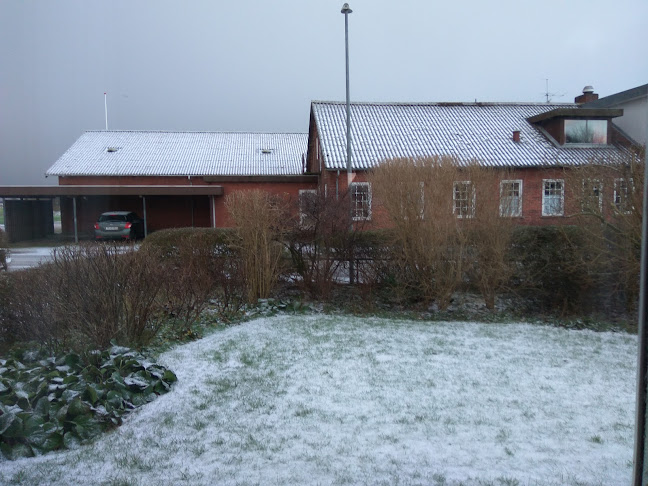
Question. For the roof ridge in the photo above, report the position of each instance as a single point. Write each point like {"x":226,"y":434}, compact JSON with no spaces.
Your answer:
{"x":197,"y":131}
{"x":444,"y":103}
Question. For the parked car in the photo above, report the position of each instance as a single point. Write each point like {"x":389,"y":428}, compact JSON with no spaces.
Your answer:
{"x":122,"y":225}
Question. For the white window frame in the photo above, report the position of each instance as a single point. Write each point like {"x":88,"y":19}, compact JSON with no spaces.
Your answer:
{"x":470,"y":200}
{"x":624,"y":207}
{"x":506,"y":210}
{"x":588,"y":185}
{"x":303,"y":216}
{"x":545,"y":197}
{"x":357,"y":207}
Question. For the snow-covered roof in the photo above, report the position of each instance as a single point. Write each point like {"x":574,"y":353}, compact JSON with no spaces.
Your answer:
{"x":480,"y":132}
{"x":151,"y":153}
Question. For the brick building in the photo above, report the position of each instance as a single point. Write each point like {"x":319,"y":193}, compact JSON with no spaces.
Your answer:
{"x":176,"y":179}
{"x":534,"y":142}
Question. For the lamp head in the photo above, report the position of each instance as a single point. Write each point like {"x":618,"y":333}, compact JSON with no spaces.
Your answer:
{"x":346,"y":9}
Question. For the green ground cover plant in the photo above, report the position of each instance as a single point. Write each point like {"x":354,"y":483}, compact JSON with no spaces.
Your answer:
{"x":54,"y":402}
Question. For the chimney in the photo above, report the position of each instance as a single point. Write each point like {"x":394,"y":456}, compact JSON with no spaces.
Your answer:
{"x":516,"y":135}
{"x":587,"y":96}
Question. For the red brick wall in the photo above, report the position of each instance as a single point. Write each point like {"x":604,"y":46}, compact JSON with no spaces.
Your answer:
{"x":288,"y":190}
{"x":532,"y":191}
{"x":164,"y":211}
{"x":179,"y":211}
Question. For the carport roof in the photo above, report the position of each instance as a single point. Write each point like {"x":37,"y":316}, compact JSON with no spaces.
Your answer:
{"x":160,"y":153}
{"x":108,"y":190}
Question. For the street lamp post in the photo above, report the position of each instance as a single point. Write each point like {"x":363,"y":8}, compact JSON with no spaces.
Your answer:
{"x":346,"y":10}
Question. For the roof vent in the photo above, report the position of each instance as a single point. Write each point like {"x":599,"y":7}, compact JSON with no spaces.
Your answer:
{"x":112,"y":149}
{"x":516,"y":135}
{"x":266,"y":151}
{"x":588,"y":90}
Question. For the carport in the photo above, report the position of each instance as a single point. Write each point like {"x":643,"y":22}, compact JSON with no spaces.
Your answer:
{"x":29,"y":209}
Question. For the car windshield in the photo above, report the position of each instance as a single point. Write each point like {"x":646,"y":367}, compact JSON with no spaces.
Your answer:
{"x":112,"y":217}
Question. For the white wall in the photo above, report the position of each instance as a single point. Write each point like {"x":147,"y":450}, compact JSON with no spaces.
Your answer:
{"x":635,"y":118}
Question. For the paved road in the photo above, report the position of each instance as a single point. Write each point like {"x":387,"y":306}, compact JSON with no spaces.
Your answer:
{"x":22,"y":258}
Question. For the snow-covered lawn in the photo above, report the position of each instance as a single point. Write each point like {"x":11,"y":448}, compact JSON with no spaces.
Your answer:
{"x":344,"y":400}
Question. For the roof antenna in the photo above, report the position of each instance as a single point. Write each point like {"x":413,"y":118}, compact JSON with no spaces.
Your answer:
{"x":548,"y":95}
{"x":106,"y":108}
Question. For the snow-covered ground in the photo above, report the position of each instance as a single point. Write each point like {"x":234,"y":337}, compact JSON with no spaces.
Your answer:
{"x":345,"y":400}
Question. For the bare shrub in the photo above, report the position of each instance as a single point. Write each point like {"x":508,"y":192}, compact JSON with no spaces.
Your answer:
{"x":4,"y":243}
{"x":200,"y":269}
{"x":260,"y":221}
{"x":106,"y":292}
{"x":447,"y":225}
{"x":491,"y":229}
{"x":320,"y":240}
{"x":30,"y":313}
{"x":427,"y":236}
{"x":607,"y":205}
{"x":6,"y":322}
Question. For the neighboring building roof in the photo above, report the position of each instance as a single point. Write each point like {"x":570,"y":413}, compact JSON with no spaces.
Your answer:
{"x":466,"y":131}
{"x":619,"y":98}
{"x":148,"y":153}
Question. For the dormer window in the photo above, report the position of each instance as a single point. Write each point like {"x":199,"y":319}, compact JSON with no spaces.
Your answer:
{"x":576,"y":126}
{"x":586,"y":131}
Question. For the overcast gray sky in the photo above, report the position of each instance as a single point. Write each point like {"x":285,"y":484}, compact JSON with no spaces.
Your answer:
{"x":255,"y":65}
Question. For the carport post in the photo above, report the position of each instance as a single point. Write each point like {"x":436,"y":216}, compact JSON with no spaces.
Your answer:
{"x":76,"y":229}
{"x":212,"y":204}
{"x":144,"y":210}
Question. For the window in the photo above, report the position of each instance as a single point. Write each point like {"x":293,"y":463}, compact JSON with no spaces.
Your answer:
{"x":592,"y":200}
{"x":412,"y":202}
{"x":361,"y":201}
{"x":553,"y":197}
{"x":622,"y":199}
{"x":511,"y":198}
{"x":586,"y":131}
{"x":463,"y":197}
{"x":307,"y":207}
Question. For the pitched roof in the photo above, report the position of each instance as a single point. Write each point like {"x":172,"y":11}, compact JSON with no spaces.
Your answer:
{"x":619,"y":98}
{"x":466,"y":131}
{"x":135,"y":153}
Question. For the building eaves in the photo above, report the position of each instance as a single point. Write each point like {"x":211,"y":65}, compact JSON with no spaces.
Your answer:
{"x":576,"y":113}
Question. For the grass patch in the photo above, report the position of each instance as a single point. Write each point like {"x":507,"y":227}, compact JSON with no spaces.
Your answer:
{"x":308,"y":390}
